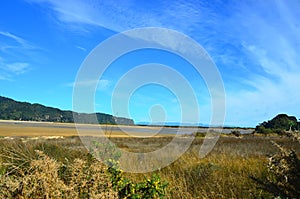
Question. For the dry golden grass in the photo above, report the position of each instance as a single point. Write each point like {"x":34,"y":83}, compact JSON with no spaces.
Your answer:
{"x":41,"y":179}
{"x":225,"y":173}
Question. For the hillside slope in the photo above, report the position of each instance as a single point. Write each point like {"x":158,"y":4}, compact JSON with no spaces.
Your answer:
{"x":24,"y":111}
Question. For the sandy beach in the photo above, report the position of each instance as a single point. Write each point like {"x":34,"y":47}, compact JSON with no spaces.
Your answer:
{"x":11,"y":128}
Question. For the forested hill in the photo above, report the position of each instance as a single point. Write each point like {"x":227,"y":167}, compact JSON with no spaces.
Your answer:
{"x":14,"y":110}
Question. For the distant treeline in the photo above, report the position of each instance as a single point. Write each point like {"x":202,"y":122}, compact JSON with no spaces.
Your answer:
{"x":14,"y":110}
{"x":280,"y":123}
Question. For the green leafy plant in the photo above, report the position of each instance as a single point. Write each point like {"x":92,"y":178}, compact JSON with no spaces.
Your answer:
{"x":149,"y":188}
{"x":105,"y":150}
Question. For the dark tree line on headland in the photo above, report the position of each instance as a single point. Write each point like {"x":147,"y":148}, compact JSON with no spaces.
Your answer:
{"x":23,"y":111}
{"x":278,"y":124}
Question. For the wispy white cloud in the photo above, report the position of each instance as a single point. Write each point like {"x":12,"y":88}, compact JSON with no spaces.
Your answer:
{"x":15,"y":52}
{"x":123,"y":15}
{"x":269,"y":46}
{"x":81,"y":48}
{"x":3,"y":77}
{"x":20,"y":41}
{"x":255,"y":45}
{"x":9,"y":70}
{"x":101,"y":85}
{"x":16,"y":38}
{"x":16,"y":68}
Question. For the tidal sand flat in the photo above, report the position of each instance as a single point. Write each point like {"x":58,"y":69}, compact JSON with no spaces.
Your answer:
{"x":10,"y":128}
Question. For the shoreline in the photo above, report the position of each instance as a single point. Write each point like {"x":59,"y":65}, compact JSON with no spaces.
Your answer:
{"x":15,"y":128}
{"x":39,"y":128}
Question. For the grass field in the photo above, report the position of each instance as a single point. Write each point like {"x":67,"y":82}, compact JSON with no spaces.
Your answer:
{"x":226,"y":172}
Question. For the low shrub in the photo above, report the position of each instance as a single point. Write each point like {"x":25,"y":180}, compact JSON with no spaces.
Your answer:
{"x":200,"y":134}
{"x":26,"y":172}
{"x":42,"y":180}
{"x":283,"y":174}
{"x":236,"y":133}
{"x":152,"y":187}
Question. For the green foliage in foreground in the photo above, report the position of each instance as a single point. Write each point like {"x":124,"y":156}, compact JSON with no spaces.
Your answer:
{"x":149,"y":188}
{"x":152,"y":187}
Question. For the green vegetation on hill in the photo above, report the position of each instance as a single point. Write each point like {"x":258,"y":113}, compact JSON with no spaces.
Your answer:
{"x":14,"y":110}
{"x":280,"y":123}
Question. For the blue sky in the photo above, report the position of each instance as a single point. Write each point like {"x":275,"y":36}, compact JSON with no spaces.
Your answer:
{"x":255,"y":46}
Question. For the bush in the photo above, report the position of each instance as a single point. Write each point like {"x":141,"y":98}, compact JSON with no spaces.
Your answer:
{"x":42,"y":180}
{"x":152,"y":187}
{"x":236,"y":133}
{"x":200,"y":134}
{"x":263,"y":130}
{"x":26,"y":172}
{"x":149,"y":188}
{"x":284,"y":170}
{"x":283,"y":174}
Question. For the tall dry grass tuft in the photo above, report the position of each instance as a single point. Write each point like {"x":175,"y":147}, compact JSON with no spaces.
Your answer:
{"x":90,"y":180}
{"x":40,"y":180}
{"x":45,"y":177}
